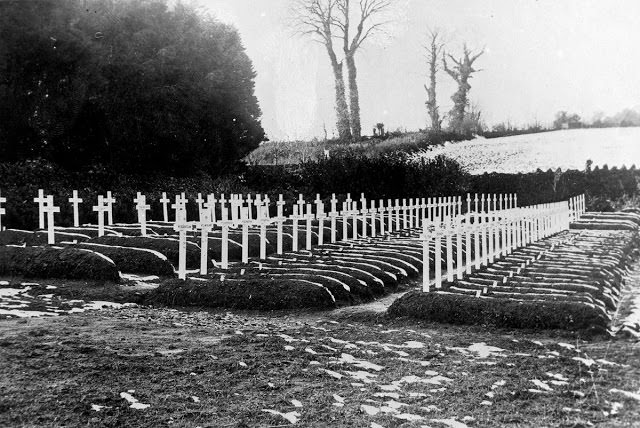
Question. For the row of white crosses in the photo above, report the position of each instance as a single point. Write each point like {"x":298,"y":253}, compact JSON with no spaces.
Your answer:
{"x":485,"y":202}
{"x":495,"y":234}
{"x":577,"y":206}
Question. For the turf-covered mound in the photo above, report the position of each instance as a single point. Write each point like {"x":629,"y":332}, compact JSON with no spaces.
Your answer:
{"x":134,"y":260}
{"x":55,"y":262}
{"x":38,"y":237}
{"x":167,"y":246}
{"x":243,"y":292}
{"x":20,"y":237}
{"x":462,"y":309}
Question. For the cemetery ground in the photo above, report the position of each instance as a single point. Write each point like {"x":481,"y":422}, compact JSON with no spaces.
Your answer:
{"x":352,"y":367}
{"x":216,"y":368}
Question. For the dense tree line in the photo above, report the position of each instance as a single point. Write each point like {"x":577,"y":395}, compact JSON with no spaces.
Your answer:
{"x":144,"y":85}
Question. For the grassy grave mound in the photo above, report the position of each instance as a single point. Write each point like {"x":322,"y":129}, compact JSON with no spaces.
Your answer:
{"x":55,"y":262}
{"x":462,"y":309}
{"x":166,"y":246}
{"x":89,"y":230}
{"x":243,"y":292}
{"x":134,"y":260}
{"x":20,"y":237}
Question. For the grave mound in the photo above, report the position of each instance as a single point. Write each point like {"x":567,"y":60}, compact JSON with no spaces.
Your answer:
{"x":243,"y":292}
{"x":571,"y":280}
{"x":133,"y":260}
{"x":56,"y":262}
{"x":170,"y":248}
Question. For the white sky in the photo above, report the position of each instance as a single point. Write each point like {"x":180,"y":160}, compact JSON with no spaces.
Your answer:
{"x":541,"y":57}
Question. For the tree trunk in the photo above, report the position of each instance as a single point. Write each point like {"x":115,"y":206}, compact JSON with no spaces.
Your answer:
{"x":354,"y":98}
{"x":342,"y":111}
{"x":432,"y":104}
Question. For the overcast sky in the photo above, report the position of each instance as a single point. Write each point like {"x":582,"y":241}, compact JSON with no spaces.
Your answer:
{"x":540,"y":57}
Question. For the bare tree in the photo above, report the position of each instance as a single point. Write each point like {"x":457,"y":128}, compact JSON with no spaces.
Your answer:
{"x":461,"y":72}
{"x":321,"y":19}
{"x":366,"y":24}
{"x":316,"y":18}
{"x":434,"y":49}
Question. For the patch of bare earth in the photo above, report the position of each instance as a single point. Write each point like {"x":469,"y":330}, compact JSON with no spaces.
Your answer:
{"x":161,"y":367}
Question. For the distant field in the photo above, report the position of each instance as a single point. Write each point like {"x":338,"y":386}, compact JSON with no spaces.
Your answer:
{"x":567,"y":149}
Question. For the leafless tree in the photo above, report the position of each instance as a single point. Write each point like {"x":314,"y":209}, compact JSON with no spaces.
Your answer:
{"x":461,"y":72}
{"x":326,"y":20}
{"x":434,"y":50}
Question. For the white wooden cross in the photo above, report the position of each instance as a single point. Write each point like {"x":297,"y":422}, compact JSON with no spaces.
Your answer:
{"x":50,"y":210}
{"x":178,"y":206}
{"x":381,"y":210}
{"x":205,"y":225}
{"x":363,"y":214}
{"x":476,"y":203}
{"x":438,"y":233}
{"x":75,"y":200}
{"x":397,"y":210}
{"x":344,"y":213}
{"x":263,"y":220}
{"x":223,"y":202}
{"x":280,"y":219}
{"x":459,"y":232}
{"x":3,"y":211}
{"x":468,"y":202}
{"x":426,"y":249}
{"x":320,"y":215}
{"x":405,"y":219}
{"x":500,"y":202}
{"x":249,"y":200}
{"x":40,"y":200}
{"x":309,"y":217}
{"x":390,"y":215}
{"x":258,"y":204}
{"x":495,"y":201}
{"x":333,"y":214}
{"x":245,"y":221}
{"x":182,"y":226}
{"x":515,"y":200}
{"x":199,"y":201}
{"x":110,"y":200}
{"x":210,"y":206}
{"x":295,"y":216}
{"x":165,"y":202}
{"x":301,"y":203}
{"x":225,"y":223}
{"x":482,"y":200}
{"x":373,"y":211}
{"x":142,"y":207}
{"x":235,"y":203}
{"x":449,"y":231}
{"x":459,"y":205}
{"x":101,"y":209}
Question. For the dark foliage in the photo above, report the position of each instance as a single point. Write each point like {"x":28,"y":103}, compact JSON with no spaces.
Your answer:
{"x":132,"y":85}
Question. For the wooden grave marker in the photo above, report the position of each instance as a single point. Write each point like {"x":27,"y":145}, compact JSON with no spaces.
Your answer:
{"x":50,"y":209}
{"x":41,"y":200}
{"x":182,"y":226}
{"x":141,"y":208}
{"x":110,"y":200}
{"x":165,"y":210}
{"x":75,"y":201}
{"x":205,"y":225}
{"x":101,"y":209}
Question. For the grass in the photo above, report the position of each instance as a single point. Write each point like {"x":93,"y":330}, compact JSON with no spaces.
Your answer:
{"x":222,"y":369}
